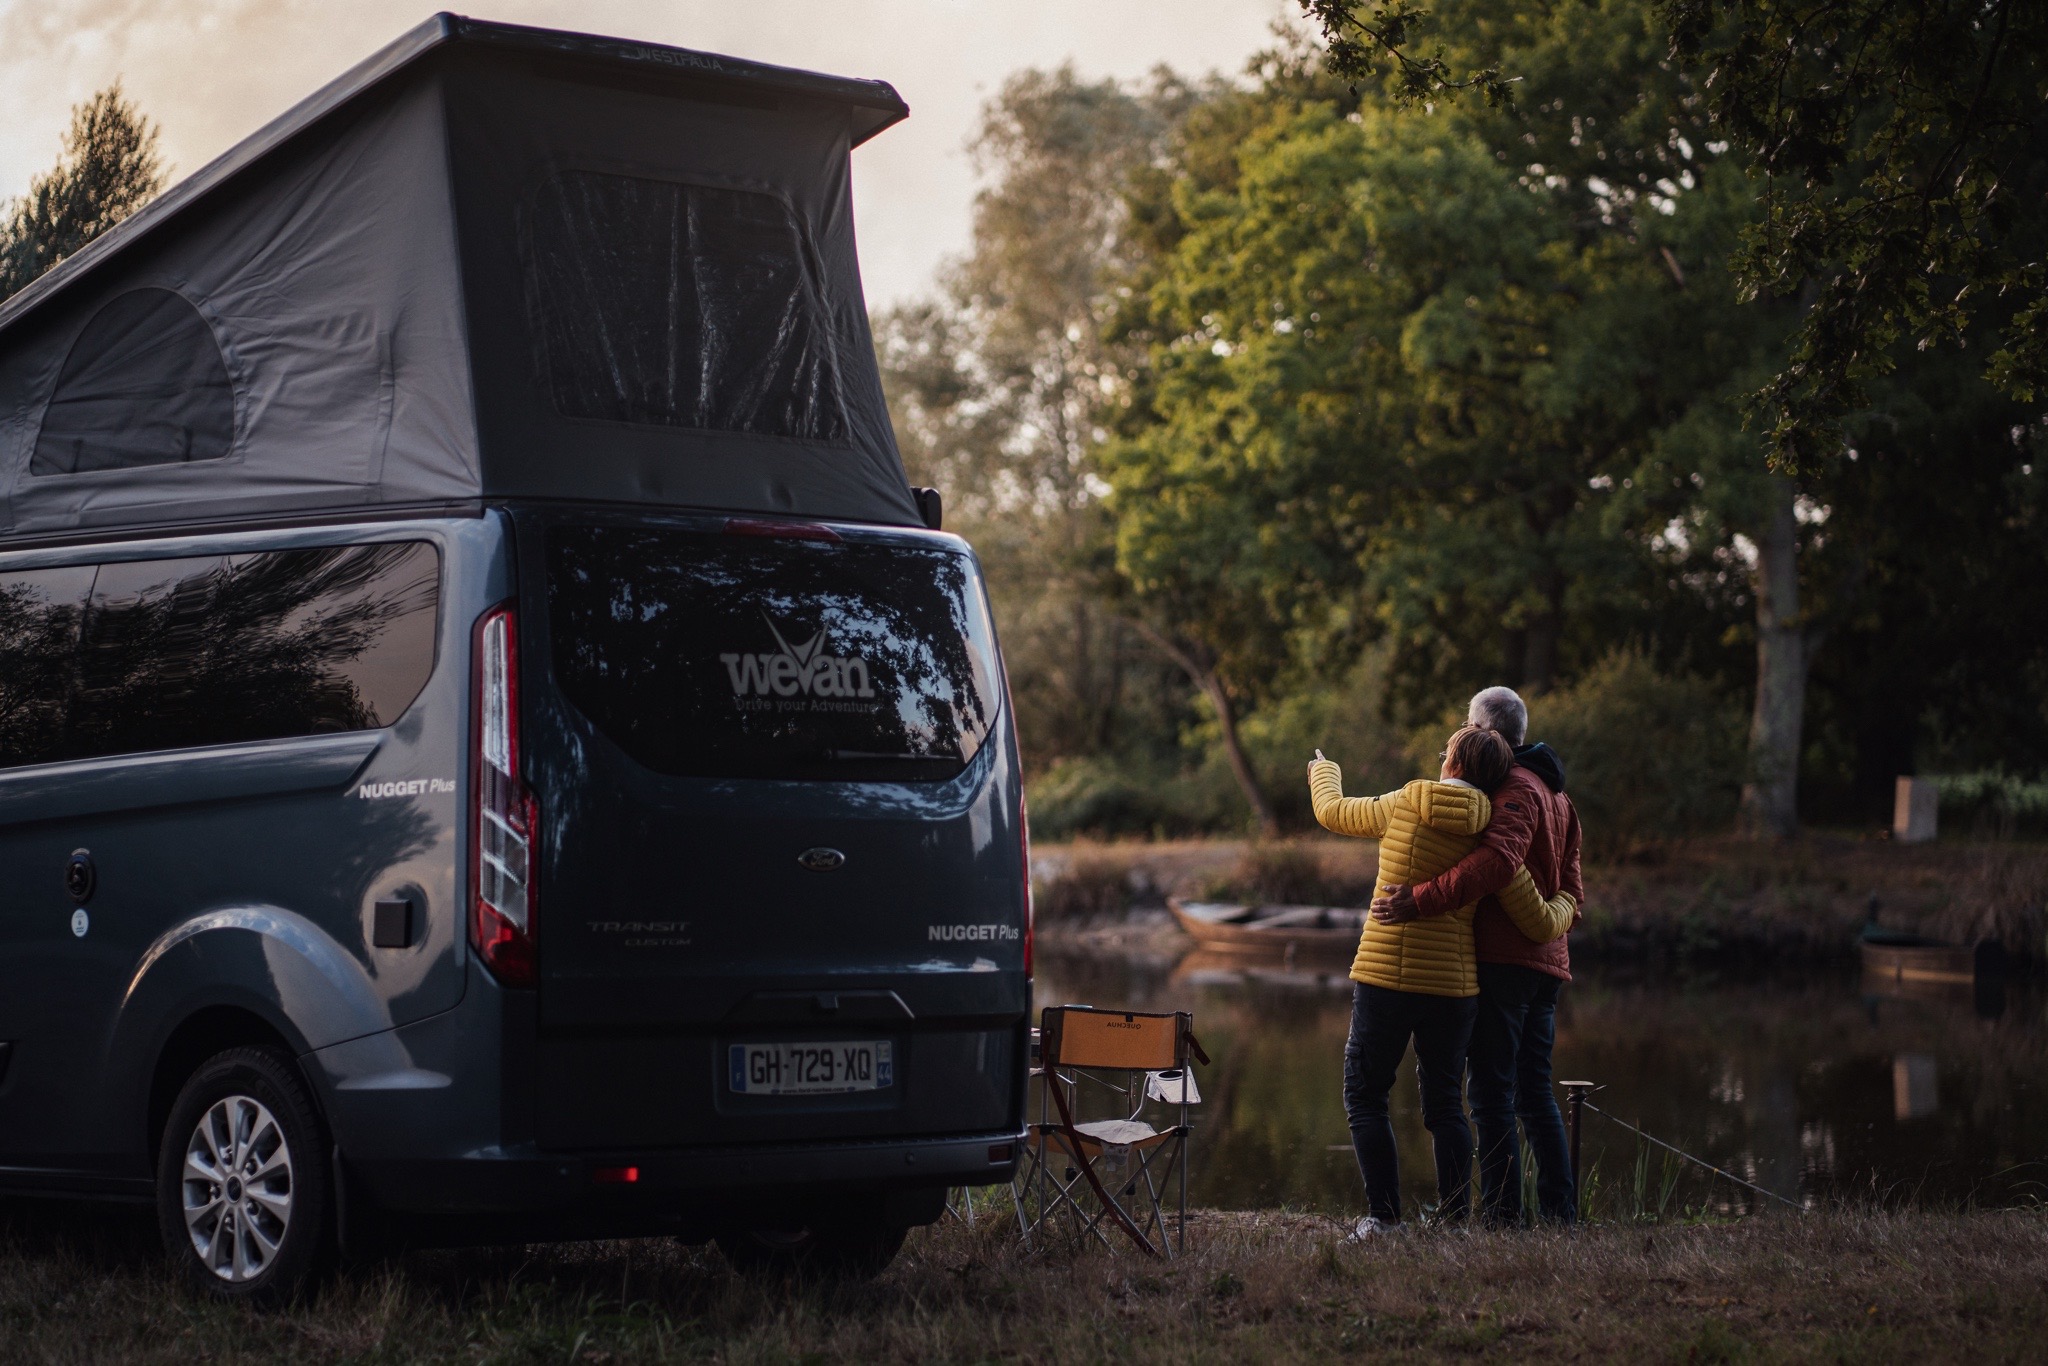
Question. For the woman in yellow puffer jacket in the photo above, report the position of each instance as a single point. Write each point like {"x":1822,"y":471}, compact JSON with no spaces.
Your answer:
{"x":1420,"y":979}
{"x":1423,"y":830}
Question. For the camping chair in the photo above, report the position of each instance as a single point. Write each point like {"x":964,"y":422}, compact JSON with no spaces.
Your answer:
{"x":1082,"y":1173}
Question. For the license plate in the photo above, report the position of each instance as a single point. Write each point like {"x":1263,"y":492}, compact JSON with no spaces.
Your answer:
{"x":810,"y":1069}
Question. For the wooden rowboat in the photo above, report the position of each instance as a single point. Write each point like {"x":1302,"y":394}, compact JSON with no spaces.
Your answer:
{"x":1327,"y":931}
{"x":1934,"y":964}
{"x":1908,"y":959}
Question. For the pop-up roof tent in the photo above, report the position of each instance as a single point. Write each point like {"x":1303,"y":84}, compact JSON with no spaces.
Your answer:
{"x":489,"y":262}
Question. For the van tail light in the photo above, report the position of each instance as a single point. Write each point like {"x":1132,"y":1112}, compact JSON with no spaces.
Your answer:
{"x":1030,"y":909}
{"x":503,"y":869}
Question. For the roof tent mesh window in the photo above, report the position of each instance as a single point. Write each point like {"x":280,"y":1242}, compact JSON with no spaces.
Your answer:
{"x":144,"y":385}
{"x":679,"y":306}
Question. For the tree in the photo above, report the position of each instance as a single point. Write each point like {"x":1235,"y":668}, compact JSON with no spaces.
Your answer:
{"x":1462,"y":353}
{"x":1900,"y":148}
{"x":109,"y":169}
{"x":997,"y":386}
{"x":1898,"y":143}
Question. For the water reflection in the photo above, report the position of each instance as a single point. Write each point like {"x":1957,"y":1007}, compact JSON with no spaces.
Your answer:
{"x":1807,"y":1087}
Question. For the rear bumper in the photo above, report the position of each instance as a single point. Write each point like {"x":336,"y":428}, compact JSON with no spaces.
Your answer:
{"x":672,"y":1187}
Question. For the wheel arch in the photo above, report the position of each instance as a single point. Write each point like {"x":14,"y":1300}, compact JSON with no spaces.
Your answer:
{"x":204,"y":1034}
{"x":238,"y":976}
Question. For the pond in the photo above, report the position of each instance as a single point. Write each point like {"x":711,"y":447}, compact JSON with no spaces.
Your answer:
{"x":1811,"y":1087}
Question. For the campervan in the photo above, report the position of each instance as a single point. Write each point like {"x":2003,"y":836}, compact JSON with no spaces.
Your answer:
{"x":491,"y":745}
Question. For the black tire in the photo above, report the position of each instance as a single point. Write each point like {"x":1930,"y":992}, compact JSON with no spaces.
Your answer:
{"x":830,"y":1248}
{"x":268,"y":1221}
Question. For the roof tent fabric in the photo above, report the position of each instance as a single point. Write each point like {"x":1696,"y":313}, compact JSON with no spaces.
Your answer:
{"x":491,"y":262}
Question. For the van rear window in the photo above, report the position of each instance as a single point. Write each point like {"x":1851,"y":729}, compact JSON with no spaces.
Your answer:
{"x":756,"y":657}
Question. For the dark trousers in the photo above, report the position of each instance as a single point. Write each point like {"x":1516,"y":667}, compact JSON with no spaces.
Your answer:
{"x":1510,"y":1059}
{"x":1382,"y":1022}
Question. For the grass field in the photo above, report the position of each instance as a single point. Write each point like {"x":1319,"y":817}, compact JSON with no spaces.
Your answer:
{"x":86,"y":1285}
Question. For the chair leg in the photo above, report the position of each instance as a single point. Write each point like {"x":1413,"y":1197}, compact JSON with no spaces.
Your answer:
{"x":1094,"y":1179}
{"x":1026,"y":1190}
{"x":1172,"y":1154}
{"x":1110,"y":1207}
{"x":1183,"y":1164}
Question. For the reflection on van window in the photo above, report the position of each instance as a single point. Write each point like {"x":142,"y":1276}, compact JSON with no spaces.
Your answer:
{"x":39,"y":615}
{"x":229,"y":648}
{"x":731,"y":656}
{"x":679,"y":306}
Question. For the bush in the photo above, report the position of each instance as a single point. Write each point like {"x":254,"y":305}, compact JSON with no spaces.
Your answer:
{"x":1087,"y":884}
{"x":1291,"y":874}
{"x":1106,"y":797}
{"x":2002,"y":895}
{"x":1345,"y":719}
{"x":1999,"y":802}
{"x":1647,"y":755}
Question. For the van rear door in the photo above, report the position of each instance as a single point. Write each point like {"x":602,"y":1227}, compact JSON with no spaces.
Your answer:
{"x":779,"y":809}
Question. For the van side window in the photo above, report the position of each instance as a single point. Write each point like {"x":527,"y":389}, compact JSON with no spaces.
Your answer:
{"x":227,"y":648}
{"x":679,"y":306}
{"x":144,"y":385}
{"x":39,"y":615}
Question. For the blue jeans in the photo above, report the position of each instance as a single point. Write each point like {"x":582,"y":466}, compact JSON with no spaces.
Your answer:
{"x":1382,"y":1022}
{"x":1510,"y":1059}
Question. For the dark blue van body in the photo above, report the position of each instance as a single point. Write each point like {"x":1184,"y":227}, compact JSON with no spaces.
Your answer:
{"x":616,"y":829}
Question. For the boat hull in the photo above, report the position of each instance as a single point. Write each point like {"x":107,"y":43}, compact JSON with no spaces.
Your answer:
{"x":1274,"y":940}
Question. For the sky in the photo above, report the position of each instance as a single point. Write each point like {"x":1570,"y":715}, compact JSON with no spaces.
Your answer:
{"x":212,"y":71}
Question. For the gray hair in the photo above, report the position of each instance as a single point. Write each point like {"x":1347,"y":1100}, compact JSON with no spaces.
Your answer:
{"x":1500,"y":709}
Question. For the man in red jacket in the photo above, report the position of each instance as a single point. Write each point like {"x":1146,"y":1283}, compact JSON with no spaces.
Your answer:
{"x":1534,"y":824}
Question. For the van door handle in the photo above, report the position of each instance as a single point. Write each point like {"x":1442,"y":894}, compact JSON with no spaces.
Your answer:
{"x":81,"y":879}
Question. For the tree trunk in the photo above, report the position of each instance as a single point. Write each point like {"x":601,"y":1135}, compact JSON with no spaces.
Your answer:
{"x":1514,"y":655}
{"x":1770,"y":798}
{"x":1539,"y":657}
{"x":1240,"y":767}
{"x":1204,"y":677}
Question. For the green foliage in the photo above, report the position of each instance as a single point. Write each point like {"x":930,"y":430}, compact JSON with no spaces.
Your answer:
{"x":1648,"y":755}
{"x":110,"y":168}
{"x":1359,"y":36}
{"x":1108,"y":795}
{"x":1995,"y":790}
{"x":995,"y":386}
{"x":1242,"y":387}
{"x":1898,"y":142}
{"x":1401,"y":384}
{"x":1995,"y":800}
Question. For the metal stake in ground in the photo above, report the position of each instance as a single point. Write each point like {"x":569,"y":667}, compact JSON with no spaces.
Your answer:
{"x":1575,"y":1101}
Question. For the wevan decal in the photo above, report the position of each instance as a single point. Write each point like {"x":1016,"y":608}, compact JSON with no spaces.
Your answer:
{"x":830,"y":682}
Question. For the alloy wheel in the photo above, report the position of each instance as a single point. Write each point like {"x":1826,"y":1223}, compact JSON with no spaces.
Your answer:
{"x":237,"y":1188}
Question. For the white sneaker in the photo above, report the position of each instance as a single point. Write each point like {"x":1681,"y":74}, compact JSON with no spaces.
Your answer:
{"x":1371,"y":1229}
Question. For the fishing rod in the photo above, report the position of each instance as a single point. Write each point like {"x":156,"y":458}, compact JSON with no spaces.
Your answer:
{"x":1578,"y":1095}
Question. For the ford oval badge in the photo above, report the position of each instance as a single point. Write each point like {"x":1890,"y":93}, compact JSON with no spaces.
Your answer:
{"x":821,"y":860}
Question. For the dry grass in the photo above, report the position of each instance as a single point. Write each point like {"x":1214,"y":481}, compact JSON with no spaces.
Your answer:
{"x":86,"y":1287}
